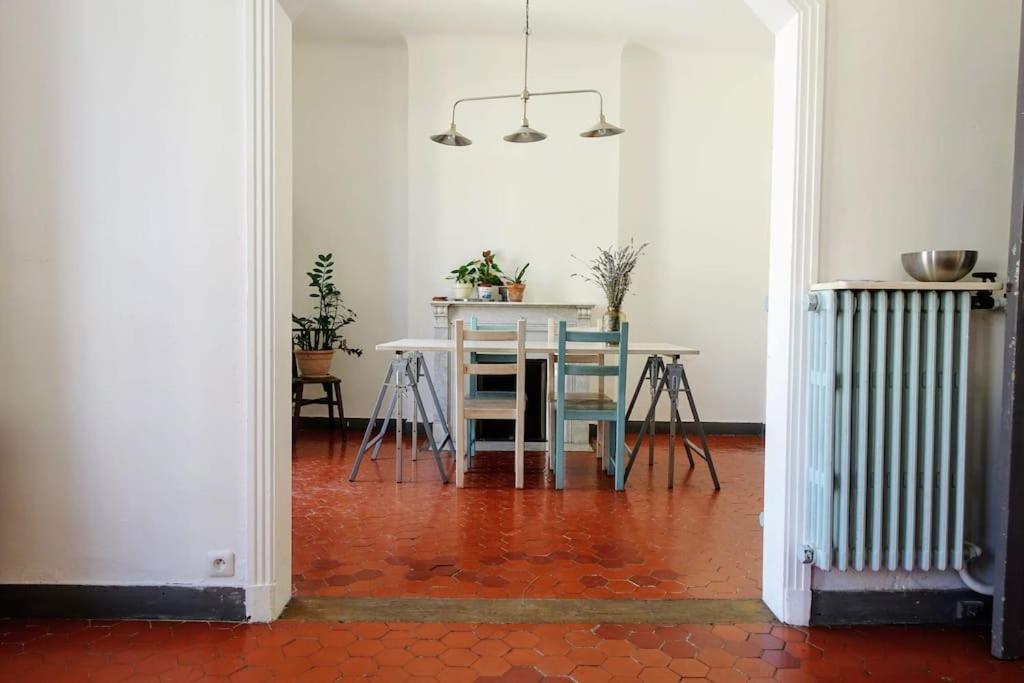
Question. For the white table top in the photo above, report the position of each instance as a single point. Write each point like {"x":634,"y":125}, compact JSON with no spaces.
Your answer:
{"x":535,"y":346}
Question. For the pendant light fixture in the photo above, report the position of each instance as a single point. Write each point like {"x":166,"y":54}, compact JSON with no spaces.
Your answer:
{"x":525,"y":133}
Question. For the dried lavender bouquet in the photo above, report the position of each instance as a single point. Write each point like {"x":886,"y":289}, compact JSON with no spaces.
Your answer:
{"x":612,"y":271}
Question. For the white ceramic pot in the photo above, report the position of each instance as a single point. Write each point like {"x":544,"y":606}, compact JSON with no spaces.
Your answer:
{"x":462,"y":290}
{"x":485,"y":292}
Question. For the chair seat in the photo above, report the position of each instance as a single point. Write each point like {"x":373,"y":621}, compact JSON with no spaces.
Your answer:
{"x":585,"y":400}
{"x":490,"y":407}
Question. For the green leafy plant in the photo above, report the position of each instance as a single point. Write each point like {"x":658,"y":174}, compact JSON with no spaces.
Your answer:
{"x":488,"y":272}
{"x":322,"y":330}
{"x":465,"y":274}
{"x":612,"y":271}
{"x":480,"y":271}
{"x":519,"y":277}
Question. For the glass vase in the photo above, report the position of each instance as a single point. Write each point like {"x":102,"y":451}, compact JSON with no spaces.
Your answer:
{"x":611,"y":319}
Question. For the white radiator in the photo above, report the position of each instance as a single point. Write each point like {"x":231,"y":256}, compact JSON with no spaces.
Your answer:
{"x":887,"y":429}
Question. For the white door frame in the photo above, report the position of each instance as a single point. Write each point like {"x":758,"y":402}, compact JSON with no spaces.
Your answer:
{"x":798,"y":118}
{"x":799,"y":28}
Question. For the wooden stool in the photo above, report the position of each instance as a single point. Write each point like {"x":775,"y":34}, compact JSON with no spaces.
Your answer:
{"x":331,"y":398}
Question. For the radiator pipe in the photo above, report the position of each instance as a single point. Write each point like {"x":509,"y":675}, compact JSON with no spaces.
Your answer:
{"x":972,"y":553}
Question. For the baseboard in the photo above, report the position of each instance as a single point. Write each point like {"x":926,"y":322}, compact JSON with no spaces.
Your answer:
{"x":710,"y":428}
{"x":946,"y":607}
{"x":358,"y":425}
{"x":189,"y":603}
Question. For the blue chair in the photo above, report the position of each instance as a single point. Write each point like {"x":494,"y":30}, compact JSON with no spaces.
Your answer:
{"x":591,"y":407}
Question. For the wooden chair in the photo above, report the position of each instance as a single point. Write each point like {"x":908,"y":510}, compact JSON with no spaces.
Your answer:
{"x":592,"y":407}
{"x":486,"y":406}
{"x":596,"y":358}
{"x":331,"y":398}
{"x":475,"y":324}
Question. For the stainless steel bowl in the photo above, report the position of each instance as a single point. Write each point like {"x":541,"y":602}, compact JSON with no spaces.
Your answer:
{"x":939,"y":266}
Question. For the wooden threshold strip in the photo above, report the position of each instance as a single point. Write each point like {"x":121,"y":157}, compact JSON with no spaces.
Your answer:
{"x":538,"y":611}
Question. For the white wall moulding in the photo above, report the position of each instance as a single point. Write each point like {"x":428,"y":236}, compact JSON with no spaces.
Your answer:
{"x":795,"y":224}
{"x":268,"y":579}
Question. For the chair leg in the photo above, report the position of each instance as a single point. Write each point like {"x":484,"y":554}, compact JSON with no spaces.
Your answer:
{"x":560,"y":453}
{"x":520,"y":451}
{"x":329,"y":393}
{"x":341,"y":409}
{"x":460,"y":454}
{"x":296,"y":409}
{"x":549,"y":460}
{"x":619,"y":444}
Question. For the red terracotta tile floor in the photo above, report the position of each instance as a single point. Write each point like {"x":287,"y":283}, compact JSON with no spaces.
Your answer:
{"x":375,"y":538}
{"x":64,"y":651}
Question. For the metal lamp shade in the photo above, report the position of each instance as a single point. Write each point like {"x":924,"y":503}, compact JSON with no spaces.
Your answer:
{"x":452,"y":138}
{"x":525,"y":134}
{"x":602,"y":129}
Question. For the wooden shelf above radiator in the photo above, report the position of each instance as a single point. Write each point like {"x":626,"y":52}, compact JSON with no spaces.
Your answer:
{"x":961,"y":286}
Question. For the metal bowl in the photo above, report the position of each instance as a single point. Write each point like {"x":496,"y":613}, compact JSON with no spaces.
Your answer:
{"x":939,"y":266}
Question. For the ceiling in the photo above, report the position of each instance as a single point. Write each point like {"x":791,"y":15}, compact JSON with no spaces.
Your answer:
{"x":698,"y":24}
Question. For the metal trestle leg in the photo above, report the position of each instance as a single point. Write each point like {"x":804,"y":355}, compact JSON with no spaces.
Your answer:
{"x":403,"y":375}
{"x":671,"y":378}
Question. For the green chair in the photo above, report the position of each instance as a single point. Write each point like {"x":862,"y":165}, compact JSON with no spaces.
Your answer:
{"x":590,"y":407}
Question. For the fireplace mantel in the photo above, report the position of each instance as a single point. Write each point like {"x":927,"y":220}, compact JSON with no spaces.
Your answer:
{"x":537,"y":315}
{"x":445,"y":312}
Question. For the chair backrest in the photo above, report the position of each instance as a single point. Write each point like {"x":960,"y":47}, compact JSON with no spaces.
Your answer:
{"x":494,"y":367}
{"x":568,"y":366}
{"x":572,"y":357}
{"x":476,"y":325}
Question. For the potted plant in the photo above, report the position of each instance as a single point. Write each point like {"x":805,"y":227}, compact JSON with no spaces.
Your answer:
{"x":488,"y":276}
{"x":516,"y":284}
{"x":465,"y":280}
{"x":612,"y":271}
{"x":318,"y":336}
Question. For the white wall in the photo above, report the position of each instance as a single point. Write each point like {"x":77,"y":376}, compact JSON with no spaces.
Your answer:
{"x":123,"y":423}
{"x":350,"y":195}
{"x":536,"y":203}
{"x":695,"y":182}
{"x":920,"y":101}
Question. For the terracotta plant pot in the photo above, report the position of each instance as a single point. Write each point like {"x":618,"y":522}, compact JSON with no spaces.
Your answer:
{"x":515,"y":291}
{"x":314,"y":363}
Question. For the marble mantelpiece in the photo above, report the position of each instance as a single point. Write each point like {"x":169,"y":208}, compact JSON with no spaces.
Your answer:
{"x":536,"y":315}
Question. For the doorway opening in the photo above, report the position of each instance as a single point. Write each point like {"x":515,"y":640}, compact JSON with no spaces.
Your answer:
{"x":629,"y":563}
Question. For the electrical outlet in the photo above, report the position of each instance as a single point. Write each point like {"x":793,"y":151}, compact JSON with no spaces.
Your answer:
{"x":220,"y":563}
{"x":969,"y":610}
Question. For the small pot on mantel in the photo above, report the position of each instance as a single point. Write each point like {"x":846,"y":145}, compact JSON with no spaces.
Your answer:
{"x":516,"y":291}
{"x":485,"y":292}
{"x":314,"y":363}
{"x":462,"y":290}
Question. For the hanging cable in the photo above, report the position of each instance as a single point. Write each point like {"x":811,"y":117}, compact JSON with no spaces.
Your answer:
{"x":526,"y":61}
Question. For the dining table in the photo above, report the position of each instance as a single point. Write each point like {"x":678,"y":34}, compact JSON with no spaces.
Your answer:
{"x":407,"y":375}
